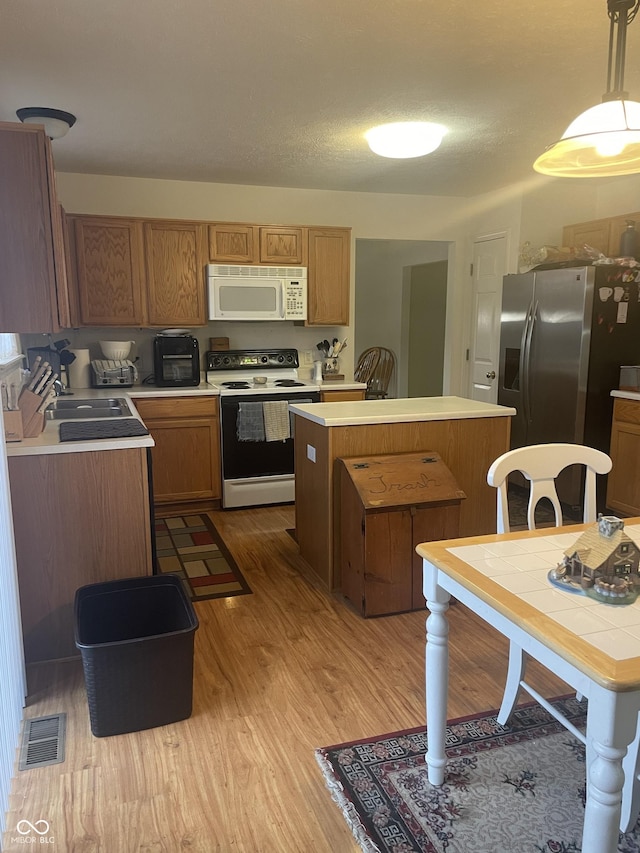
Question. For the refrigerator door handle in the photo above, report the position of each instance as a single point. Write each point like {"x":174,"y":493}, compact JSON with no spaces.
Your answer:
{"x":526,"y":358}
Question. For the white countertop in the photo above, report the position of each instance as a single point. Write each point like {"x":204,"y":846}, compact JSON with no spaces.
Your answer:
{"x":626,"y":395}
{"x":399,"y":411}
{"x":48,"y":441}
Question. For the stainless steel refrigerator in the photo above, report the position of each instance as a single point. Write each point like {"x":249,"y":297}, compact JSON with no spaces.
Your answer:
{"x":564,"y":335}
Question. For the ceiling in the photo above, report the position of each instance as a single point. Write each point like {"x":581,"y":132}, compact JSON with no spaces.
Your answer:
{"x":279,"y":94}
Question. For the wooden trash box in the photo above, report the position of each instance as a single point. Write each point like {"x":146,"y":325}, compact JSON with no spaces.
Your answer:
{"x":388,"y":505}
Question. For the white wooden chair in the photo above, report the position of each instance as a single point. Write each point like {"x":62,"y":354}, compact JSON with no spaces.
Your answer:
{"x":540,"y":464}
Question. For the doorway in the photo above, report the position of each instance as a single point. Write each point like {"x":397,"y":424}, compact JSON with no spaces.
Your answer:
{"x":386,"y":283}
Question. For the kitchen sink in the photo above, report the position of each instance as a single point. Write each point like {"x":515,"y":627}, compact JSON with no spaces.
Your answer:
{"x":112,"y":407}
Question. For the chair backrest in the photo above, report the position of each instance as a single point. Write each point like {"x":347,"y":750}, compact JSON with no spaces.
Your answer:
{"x":375,"y":367}
{"x":366,"y":364}
{"x":541,"y":464}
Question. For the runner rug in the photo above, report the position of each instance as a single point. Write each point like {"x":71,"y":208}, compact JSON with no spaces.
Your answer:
{"x":190,"y":546}
{"x":516,"y":788}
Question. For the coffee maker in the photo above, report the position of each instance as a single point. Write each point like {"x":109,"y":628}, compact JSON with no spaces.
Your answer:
{"x":176,"y":359}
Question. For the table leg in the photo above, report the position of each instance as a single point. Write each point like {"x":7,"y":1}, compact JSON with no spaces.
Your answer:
{"x":611,"y":721}
{"x":436,"y":673}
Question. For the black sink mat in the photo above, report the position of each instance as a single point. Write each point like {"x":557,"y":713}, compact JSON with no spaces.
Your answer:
{"x":89,"y":430}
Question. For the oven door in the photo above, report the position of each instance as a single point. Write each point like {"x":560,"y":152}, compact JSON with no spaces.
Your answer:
{"x":256,"y":470}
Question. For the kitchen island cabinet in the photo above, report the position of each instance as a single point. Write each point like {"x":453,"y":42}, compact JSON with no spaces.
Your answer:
{"x":186,"y":456}
{"x":79,"y":518}
{"x":33,"y":295}
{"x":467,"y":434}
{"x":623,"y":482}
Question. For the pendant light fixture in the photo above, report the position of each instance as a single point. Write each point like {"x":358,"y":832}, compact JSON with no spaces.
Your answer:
{"x":604,"y":140}
{"x":56,"y":122}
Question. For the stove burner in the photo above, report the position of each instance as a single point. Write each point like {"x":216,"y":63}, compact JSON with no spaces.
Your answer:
{"x":236,"y":385}
{"x":287,"y":383}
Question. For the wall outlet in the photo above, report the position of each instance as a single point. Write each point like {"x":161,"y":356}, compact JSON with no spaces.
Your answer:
{"x":306,"y":358}
{"x":311,"y":452}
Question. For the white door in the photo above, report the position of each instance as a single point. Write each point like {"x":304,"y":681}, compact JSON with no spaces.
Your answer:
{"x":489,"y":266}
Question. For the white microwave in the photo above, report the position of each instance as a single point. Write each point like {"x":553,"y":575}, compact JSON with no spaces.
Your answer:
{"x":238,"y":292}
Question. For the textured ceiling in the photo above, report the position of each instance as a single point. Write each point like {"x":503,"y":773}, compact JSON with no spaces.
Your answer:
{"x":280,"y":94}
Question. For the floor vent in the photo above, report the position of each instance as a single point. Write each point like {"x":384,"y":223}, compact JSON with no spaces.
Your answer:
{"x":43,"y":741}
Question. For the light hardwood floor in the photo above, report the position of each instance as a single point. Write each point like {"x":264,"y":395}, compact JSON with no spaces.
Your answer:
{"x":277,"y":674}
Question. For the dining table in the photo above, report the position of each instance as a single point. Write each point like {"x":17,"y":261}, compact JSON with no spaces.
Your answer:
{"x":592,"y":645}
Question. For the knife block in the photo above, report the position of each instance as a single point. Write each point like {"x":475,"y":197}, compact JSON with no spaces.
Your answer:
{"x":13,"y":425}
{"x":32,"y":420}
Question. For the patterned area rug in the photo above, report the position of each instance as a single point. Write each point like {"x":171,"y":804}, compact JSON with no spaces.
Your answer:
{"x":190,"y":546}
{"x":506,"y":789}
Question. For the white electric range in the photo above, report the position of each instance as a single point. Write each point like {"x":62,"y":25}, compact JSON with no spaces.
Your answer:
{"x":256,"y":429}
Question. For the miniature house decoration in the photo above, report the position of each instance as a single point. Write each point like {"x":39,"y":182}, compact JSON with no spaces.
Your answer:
{"x":604,"y":561}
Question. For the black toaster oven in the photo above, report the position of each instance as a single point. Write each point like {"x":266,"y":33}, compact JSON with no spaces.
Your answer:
{"x":176,"y":361}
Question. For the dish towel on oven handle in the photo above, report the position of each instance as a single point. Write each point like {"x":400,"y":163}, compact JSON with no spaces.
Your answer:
{"x":250,"y":424}
{"x":276,"y":420}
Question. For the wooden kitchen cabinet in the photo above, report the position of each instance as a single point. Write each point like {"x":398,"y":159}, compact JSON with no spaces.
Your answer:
{"x":280,"y":245}
{"x":623,"y":482}
{"x":33,"y":296}
{"x":176,"y":254}
{"x":78,"y":518}
{"x":186,"y":456}
{"x":109,"y":271}
{"x":232,"y":243}
{"x":602,"y":234}
{"x":594,"y":234}
{"x":337,"y":396}
{"x":242,"y":243}
{"x":328,"y":276}
{"x":134,"y":272}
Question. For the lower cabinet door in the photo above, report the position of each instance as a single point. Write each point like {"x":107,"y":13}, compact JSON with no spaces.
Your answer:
{"x":186,"y":456}
{"x":186,"y":460}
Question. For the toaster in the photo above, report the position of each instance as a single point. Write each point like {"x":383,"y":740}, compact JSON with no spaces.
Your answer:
{"x":109,"y":371}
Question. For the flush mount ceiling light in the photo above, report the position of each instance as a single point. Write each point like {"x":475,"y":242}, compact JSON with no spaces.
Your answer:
{"x":404,"y":139}
{"x":604,"y":140}
{"x":56,"y":122}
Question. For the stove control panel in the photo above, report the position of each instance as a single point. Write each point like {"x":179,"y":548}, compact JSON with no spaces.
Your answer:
{"x":252,"y":358}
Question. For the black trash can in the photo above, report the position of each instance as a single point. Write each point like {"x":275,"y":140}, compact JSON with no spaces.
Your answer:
{"x":136,"y":640}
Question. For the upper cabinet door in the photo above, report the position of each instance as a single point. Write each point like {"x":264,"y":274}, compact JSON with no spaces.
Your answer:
{"x":231,"y":243}
{"x":110,"y":270}
{"x":328,"y":276}
{"x":176,"y":253}
{"x":285,"y":246}
{"x":31,"y":250}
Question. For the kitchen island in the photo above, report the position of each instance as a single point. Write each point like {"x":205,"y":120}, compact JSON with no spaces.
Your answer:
{"x":467,"y":434}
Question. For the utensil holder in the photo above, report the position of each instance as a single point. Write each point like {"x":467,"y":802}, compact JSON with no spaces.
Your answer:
{"x":32,"y":420}
{"x":12,"y":426}
{"x":330,"y":366}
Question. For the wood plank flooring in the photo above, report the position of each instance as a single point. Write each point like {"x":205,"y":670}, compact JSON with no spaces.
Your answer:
{"x":277,"y":674}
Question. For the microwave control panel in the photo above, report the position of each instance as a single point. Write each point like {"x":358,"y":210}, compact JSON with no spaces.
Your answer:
{"x":295,"y":300}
